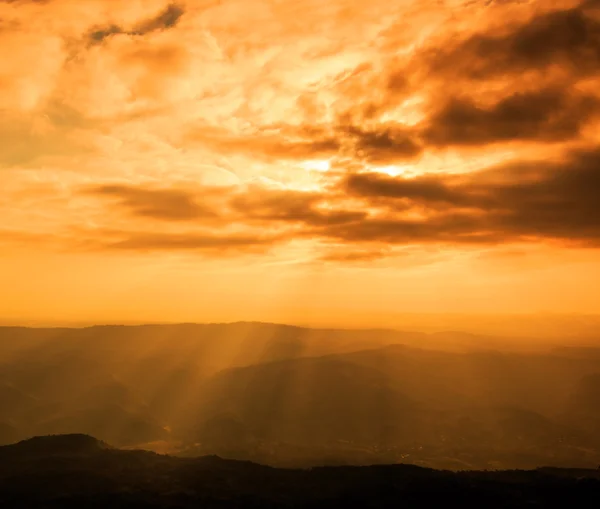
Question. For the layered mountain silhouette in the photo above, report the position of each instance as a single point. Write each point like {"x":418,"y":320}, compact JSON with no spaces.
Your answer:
{"x":297,"y":397}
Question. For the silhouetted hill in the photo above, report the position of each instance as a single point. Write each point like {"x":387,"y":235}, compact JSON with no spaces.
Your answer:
{"x":53,"y":445}
{"x":44,"y":472}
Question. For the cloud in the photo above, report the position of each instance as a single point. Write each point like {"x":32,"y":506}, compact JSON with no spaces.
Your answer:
{"x":253,"y":88}
{"x":542,"y":115}
{"x":165,"y":20}
{"x":190,"y":241}
{"x":222,"y":207}
{"x":165,"y":204}
{"x":517,"y":81}
{"x":98,"y":35}
{"x":430,"y":190}
{"x":267,"y":143}
{"x":168,"y":18}
{"x":127,"y":75}
{"x":377,"y":144}
{"x":566,"y":37}
{"x":528,"y":201}
{"x":344,"y":255}
{"x":292,"y":207}
{"x":522,"y":78}
{"x":383,"y":144}
{"x":517,"y":202}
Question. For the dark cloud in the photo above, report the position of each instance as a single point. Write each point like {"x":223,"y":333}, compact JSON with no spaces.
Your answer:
{"x":517,"y":202}
{"x":164,"y":204}
{"x":569,"y":38}
{"x":542,"y":115}
{"x":449,"y":229}
{"x":353,"y":256}
{"x":226,"y":206}
{"x":383,"y":143}
{"x":428,"y":190}
{"x":506,"y":83}
{"x":165,"y":20}
{"x":547,"y":115}
{"x":97,"y":36}
{"x":190,"y":241}
{"x":302,"y":149}
{"x":292,"y":207}
{"x":511,"y":83}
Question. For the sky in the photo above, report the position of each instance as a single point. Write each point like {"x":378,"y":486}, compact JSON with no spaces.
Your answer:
{"x":298,"y":160}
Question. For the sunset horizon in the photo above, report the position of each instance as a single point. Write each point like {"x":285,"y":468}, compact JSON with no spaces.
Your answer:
{"x":299,"y":254}
{"x":537,"y":329}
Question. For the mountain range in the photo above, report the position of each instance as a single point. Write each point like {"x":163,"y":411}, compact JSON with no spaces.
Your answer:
{"x":297,"y":397}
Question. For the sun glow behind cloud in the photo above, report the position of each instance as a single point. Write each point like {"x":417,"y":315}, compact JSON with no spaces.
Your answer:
{"x":379,"y":148}
{"x":317,"y":165}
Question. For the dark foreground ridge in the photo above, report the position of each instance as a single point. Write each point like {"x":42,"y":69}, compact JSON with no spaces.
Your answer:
{"x":76,"y":444}
{"x":69,"y":471}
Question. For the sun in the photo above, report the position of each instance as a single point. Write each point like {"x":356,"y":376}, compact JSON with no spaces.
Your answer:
{"x":391,"y":170}
{"x":321,"y":165}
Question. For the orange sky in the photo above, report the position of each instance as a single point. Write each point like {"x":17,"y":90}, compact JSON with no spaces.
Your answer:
{"x":290,"y":160}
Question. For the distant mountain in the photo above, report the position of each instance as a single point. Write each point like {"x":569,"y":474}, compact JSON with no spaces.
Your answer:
{"x":395,"y":383}
{"x":310,"y":401}
{"x":583,"y":407}
{"x":294,"y":396}
{"x":456,"y":410}
{"x":14,"y":401}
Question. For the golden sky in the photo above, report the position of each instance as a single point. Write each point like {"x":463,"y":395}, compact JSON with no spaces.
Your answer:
{"x":290,"y":160}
